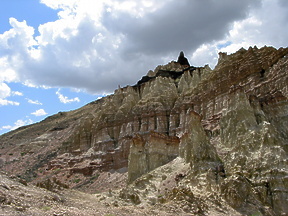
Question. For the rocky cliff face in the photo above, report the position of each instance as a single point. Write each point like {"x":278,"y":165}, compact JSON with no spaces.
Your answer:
{"x":229,"y":124}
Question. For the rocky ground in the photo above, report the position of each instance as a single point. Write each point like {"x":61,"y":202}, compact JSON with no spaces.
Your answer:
{"x":161,"y":192}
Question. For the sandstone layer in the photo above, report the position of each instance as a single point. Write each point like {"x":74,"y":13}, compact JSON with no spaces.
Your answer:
{"x":230,"y":125}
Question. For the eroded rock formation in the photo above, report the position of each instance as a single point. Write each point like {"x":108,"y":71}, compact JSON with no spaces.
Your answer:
{"x":229,"y":124}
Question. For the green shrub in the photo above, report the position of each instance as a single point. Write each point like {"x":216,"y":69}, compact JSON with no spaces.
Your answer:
{"x":46,"y":208}
{"x":76,"y":180}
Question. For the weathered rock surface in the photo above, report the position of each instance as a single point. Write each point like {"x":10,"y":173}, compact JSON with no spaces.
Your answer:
{"x":149,"y":151}
{"x":229,"y":125}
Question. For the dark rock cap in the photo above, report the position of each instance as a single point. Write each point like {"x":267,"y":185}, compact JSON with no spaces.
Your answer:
{"x":182,"y":59}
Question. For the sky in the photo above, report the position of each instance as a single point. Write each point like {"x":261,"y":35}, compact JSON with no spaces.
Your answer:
{"x":58,"y":55}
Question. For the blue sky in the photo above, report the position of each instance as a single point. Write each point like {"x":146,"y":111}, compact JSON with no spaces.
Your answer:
{"x":30,"y":10}
{"x":36,"y":104}
{"x":32,"y":104}
{"x":58,"y":55}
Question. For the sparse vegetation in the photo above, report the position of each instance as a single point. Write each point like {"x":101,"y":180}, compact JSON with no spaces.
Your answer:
{"x":94,"y":177}
{"x":57,"y":170}
{"x":46,"y":208}
{"x":76,"y":180}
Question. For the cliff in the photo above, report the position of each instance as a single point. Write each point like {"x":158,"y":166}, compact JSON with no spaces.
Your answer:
{"x":229,"y":125}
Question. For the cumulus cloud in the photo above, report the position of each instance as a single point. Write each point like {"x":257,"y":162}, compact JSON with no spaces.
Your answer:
{"x":65,"y":99}
{"x":178,"y":25}
{"x":17,"y":124}
{"x":98,"y":45}
{"x":258,"y":28}
{"x":40,"y":112}
{"x":5,"y":92}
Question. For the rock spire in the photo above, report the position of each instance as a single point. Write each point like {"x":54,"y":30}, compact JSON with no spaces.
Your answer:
{"x":182,"y":59}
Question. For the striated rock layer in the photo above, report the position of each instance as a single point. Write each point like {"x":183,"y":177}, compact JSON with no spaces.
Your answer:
{"x":230,"y":124}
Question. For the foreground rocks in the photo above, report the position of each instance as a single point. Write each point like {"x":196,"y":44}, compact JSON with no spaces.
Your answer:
{"x":193,"y":139}
{"x":19,"y":199}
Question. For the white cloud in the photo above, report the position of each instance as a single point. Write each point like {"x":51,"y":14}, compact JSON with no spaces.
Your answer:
{"x":103,"y":95}
{"x":17,"y":124}
{"x":5,"y":92}
{"x":65,"y":99}
{"x":40,"y":112}
{"x":207,"y":53}
{"x":7,"y":127}
{"x":260,"y":28}
{"x":4,"y":102}
{"x":7,"y":73}
{"x":17,"y":93}
{"x":98,"y":45}
{"x":34,"y":102}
